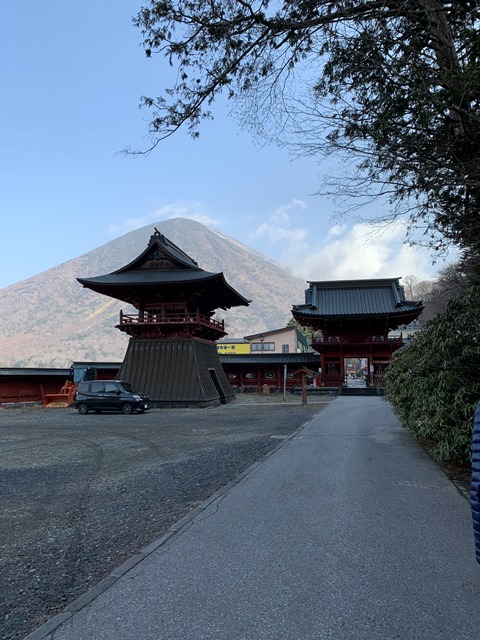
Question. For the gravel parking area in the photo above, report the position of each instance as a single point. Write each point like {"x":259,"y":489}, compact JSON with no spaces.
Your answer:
{"x":81,"y":494}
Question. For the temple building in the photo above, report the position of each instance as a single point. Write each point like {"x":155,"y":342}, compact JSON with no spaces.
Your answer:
{"x":172,"y":354}
{"x":352,"y":319}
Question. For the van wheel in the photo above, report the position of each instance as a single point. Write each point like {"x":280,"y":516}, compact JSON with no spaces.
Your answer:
{"x":127,"y":407}
{"x":82,"y":408}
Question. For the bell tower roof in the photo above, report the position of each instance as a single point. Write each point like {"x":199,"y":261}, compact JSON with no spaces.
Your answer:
{"x":160,"y":254}
{"x":164,"y":272}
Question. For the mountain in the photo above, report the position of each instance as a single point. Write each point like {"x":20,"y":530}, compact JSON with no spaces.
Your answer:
{"x":51,"y":320}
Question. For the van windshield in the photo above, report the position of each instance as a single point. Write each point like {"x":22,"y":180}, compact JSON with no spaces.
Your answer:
{"x":128,"y":387}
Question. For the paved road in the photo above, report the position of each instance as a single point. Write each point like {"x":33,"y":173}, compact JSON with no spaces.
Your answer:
{"x":347,"y":532}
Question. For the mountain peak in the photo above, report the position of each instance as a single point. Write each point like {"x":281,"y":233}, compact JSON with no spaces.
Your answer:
{"x":61,"y":322}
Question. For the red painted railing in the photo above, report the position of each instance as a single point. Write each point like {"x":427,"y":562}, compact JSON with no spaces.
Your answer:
{"x":355,"y":340}
{"x":167,"y":318}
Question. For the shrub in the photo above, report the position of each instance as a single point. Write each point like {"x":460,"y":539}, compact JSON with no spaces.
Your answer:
{"x":434,"y":382}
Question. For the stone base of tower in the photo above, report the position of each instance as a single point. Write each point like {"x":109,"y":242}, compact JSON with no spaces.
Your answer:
{"x":176,"y":372}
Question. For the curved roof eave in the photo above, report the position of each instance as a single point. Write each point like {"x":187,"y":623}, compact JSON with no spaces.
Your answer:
{"x":368,"y":314}
{"x":144,"y":279}
{"x":336,"y":284}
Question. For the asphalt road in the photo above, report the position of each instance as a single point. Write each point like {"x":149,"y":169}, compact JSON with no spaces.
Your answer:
{"x":349,"y":531}
{"x":81,"y":494}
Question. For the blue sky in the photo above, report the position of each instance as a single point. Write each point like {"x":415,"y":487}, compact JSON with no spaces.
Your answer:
{"x":72,"y":75}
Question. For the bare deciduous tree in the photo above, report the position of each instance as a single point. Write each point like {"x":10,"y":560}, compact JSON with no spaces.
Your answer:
{"x":393,"y":85}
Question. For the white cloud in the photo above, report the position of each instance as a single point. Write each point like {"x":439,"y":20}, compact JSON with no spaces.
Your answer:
{"x":362,"y":251}
{"x":191,"y":210}
{"x":278,"y":227}
{"x":336,"y":230}
{"x":340,"y":252}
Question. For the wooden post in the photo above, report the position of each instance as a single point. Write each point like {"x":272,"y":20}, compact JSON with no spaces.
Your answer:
{"x":304,"y":389}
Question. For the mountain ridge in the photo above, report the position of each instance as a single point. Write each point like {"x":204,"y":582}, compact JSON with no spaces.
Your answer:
{"x":50,"y":320}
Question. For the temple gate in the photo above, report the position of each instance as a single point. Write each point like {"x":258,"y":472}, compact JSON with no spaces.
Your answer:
{"x":352,"y":319}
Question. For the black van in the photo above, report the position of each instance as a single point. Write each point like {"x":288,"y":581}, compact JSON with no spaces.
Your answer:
{"x":109,"y":395}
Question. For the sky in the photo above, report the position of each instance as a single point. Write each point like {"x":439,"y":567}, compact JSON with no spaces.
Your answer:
{"x":72,"y":75}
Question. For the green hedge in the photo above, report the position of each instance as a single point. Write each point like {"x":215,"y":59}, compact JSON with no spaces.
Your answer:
{"x":434,"y":382}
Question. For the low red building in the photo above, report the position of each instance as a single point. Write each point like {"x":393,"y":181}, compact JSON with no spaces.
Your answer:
{"x":19,"y":384}
{"x":29,"y":384}
{"x":250,"y":372}
{"x":247,"y":372}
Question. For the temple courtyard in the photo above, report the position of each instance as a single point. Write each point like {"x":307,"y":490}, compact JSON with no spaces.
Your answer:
{"x":256,"y":519}
{"x":81,"y":494}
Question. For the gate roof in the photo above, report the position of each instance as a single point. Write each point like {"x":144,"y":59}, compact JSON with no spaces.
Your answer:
{"x":355,"y":298}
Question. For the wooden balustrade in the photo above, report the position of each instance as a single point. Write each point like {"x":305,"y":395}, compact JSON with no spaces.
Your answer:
{"x":356,"y":340}
{"x":169,"y":318}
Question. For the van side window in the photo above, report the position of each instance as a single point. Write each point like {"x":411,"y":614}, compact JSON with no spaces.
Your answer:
{"x":97,"y":387}
{"x":111,"y":387}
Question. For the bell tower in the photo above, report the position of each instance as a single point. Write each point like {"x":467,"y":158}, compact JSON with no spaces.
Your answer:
{"x":171,"y":354}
